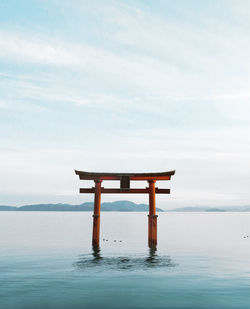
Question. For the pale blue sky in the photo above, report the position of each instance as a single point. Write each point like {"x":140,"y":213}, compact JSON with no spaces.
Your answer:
{"x":125,"y":86}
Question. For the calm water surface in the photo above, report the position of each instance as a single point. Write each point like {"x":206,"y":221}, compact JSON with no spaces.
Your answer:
{"x":202,"y":261}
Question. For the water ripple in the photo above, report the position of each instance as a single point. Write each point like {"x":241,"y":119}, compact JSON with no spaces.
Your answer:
{"x":96,"y":260}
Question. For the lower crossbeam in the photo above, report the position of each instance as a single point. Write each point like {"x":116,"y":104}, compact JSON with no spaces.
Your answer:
{"x":132,"y":191}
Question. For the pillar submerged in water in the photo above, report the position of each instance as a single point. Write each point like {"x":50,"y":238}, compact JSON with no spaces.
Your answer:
{"x":125,"y":179}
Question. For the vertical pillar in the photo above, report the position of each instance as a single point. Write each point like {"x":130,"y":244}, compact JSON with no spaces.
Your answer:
{"x":152,"y":217}
{"x":96,"y":215}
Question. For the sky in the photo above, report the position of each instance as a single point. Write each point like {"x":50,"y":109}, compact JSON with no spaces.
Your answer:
{"x":125,"y":86}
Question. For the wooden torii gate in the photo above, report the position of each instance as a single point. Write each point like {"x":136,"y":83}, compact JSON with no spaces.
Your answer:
{"x":125,"y":179}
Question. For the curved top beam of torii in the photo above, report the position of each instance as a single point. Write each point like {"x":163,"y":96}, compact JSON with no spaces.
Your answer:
{"x":117,"y":176}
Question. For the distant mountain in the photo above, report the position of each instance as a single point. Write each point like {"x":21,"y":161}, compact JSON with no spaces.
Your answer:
{"x":188,"y":209}
{"x":214,"y":209}
{"x":8,"y":208}
{"x":120,"y":206}
{"x":88,"y":206}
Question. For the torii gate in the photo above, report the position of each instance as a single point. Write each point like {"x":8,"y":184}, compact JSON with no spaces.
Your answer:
{"x":125,"y":179}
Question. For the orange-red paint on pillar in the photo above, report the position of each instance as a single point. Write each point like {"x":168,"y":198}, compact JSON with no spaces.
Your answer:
{"x":96,"y":215}
{"x":152,"y":217}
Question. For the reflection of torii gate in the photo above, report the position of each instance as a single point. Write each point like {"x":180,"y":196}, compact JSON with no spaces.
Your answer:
{"x":124,"y":179}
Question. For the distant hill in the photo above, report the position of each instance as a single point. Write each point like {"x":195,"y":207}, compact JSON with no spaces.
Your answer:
{"x":120,"y":206}
{"x":88,"y":206}
{"x":8,"y":208}
{"x":214,"y":209}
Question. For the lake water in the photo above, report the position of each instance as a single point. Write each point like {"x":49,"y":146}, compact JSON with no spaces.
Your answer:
{"x":202,"y":261}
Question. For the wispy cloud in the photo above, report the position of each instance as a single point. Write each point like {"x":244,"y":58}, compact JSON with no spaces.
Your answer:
{"x":132,"y":87}
{"x":18,"y":47}
{"x":2,"y":104}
